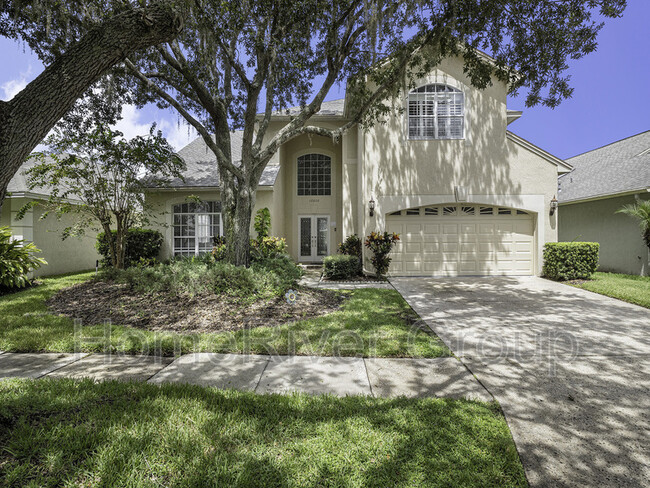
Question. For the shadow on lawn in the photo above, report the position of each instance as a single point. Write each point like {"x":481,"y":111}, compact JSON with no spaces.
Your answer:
{"x":124,"y":433}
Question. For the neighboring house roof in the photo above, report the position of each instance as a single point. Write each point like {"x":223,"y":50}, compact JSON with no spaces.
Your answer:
{"x":201,"y":165}
{"x":617,"y":168}
{"x":562,"y":165}
{"x":19,"y":185}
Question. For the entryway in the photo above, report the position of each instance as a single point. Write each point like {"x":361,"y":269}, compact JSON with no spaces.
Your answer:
{"x":314,"y":237}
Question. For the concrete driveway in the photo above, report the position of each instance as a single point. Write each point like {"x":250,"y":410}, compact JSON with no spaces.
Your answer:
{"x":570,"y":368}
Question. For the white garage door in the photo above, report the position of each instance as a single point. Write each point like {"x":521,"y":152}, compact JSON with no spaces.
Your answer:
{"x":457,"y":240}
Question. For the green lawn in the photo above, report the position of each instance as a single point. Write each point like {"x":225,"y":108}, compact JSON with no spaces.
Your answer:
{"x":629,"y":288}
{"x":67,"y":433}
{"x":370,"y":323}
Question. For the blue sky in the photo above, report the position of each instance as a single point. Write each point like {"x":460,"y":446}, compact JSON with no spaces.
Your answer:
{"x":611,"y":100}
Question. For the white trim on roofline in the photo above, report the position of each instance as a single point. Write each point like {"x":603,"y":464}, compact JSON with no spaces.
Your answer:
{"x":605,"y":196}
{"x":538,"y":150}
{"x":40,"y":196}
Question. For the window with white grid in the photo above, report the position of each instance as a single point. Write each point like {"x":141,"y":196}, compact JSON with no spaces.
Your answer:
{"x":436,"y":112}
{"x":314,"y":175}
{"x":195,"y":226}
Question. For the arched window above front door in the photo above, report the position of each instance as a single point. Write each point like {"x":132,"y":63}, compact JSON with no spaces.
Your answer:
{"x":314,"y":175}
{"x":436,"y":111}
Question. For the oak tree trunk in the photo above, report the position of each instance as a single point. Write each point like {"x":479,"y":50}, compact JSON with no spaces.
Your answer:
{"x":27,"y":118}
{"x":238,"y":202}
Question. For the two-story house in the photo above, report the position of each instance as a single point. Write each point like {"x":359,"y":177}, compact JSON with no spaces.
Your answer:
{"x":467,"y":196}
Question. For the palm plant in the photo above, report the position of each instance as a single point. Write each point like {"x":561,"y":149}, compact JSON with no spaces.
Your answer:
{"x":640,"y":211}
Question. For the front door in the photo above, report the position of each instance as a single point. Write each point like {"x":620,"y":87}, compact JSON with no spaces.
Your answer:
{"x":314,"y":237}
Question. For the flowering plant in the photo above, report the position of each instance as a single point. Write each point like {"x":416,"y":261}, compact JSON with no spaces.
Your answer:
{"x":381,"y":245}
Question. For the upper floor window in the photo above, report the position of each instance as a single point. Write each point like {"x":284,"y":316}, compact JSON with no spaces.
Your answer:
{"x":436,"y":112}
{"x":314,"y":175}
{"x":195,"y":226}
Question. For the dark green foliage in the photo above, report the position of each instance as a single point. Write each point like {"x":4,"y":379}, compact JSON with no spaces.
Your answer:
{"x":381,"y":245}
{"x":141,"y":245}
{"x":351,"y":246}
{"x":570,"y":260}
{"x":341,"y":266}
{"x":265,"y":279}
{"x":262,"y":223}
{"x":641,"y":212}
{"x":16,"y":260}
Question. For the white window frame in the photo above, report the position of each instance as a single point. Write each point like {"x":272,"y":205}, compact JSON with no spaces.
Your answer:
{"x":201,"y":233}
{"x":327,"y":192}
{"x":425,"y":106}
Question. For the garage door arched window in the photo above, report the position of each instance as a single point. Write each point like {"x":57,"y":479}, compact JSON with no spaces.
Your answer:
{"x":314,"y":175}
{"x":436,"y":112}
{"x":195,"y":226}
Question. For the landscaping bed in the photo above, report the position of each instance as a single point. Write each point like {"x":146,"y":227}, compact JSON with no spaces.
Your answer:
{"x":368,"y":323}
{"x":96,"y":301}
{"x":79,"y":433}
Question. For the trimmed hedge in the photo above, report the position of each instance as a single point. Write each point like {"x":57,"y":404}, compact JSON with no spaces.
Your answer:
{"x":141,"y":244}
{"x":341,"y":266}
{"x":570,"y":260}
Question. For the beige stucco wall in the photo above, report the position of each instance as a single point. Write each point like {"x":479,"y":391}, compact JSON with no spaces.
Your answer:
{"x":161,"y":205}
{"x":400,"y":173}
{"x":622,"y":249}
{"x":73,"y":254}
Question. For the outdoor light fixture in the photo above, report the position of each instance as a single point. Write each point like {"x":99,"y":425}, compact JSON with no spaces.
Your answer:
{"x":554,"y":205}
{"x":371,"y":206}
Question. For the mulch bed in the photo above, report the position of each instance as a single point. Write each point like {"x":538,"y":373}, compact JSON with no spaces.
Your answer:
{"x":95,"y":302}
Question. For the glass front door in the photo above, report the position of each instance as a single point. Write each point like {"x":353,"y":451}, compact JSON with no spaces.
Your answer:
{"x":314,"y":237}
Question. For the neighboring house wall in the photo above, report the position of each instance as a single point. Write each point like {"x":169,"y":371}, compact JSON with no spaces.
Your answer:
{"x":622,"y":249}
{"x":73,"y":254}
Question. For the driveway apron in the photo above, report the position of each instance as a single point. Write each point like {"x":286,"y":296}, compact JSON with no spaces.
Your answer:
{"x":570,"y":368}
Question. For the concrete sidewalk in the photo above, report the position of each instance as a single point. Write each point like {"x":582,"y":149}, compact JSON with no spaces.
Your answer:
{"x":380,"y":377}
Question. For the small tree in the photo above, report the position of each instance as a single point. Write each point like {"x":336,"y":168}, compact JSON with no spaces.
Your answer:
{"x":640,"y":211}
{"x":97,"y":176}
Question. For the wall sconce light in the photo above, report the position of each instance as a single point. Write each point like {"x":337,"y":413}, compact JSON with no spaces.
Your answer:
{"x":460,"y":193}
{"x":371,"y":207}
{"x":554,"y":205}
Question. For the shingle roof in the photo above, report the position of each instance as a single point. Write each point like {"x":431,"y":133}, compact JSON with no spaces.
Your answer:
{"x":202,"y":170}
{"x":18,"y":184}
{"x":616,"y":168}
{"x":333,"y":108}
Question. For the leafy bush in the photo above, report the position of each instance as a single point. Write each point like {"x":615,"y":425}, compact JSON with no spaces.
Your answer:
{"x":341,"y":266}
{"x":265,"y":279}
{"x":570,"y":260}
{"x":141,"y":245}
{"x":16,"y":260}
{"x":381,"y":245}
{"x":268,"y":247}
{"x":219,"y":249}
{"x":351,"y":246}
{"x":262,"y":223}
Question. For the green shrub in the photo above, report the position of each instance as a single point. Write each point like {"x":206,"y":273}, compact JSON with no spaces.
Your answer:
{"x":265,"y":279}
{"x":570,"y":260}
{"x":16,"y":260}
{"x":340,"y":266}
{"x":268,"y":247}
{"x":141,"y":244}
{"x":381,"y":245}
{"x":262,"y":223}
{"x":351,"y":246}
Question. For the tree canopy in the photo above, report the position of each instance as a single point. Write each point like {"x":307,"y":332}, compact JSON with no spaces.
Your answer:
{"x":237,"y":62}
